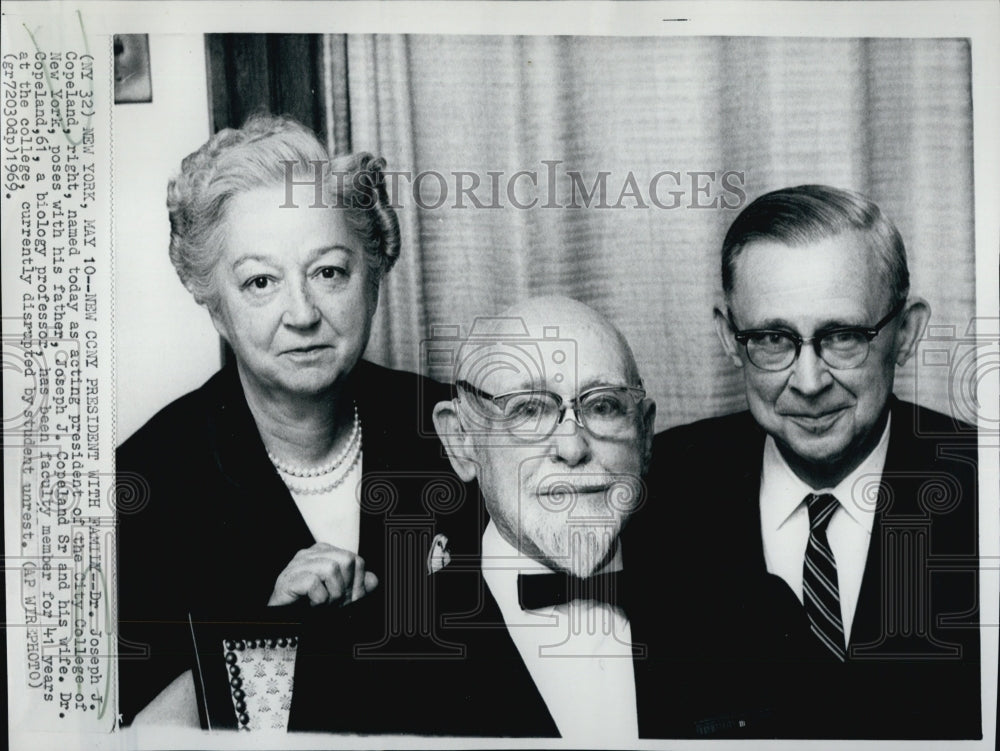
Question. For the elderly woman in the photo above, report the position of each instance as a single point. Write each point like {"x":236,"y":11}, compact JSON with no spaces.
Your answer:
{"x":272,"y":483}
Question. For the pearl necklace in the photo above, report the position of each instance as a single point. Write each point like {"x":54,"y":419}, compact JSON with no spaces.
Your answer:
{"x":325,"y":469}
{"x":347,"y":468}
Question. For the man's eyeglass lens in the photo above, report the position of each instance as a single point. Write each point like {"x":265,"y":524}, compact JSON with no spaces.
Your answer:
{"x":774,"y":350}
{"x":534,"y":415}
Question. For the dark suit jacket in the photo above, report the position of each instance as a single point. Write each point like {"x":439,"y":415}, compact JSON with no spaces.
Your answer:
{"x":463,"y":677}
{"x":748,"y":662}
{"x":213,"y":525}
{"x":468,"y":680}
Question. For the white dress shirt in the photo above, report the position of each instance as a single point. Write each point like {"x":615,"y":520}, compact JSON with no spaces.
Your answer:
{"x":579,"y":654}
{"x":784,"y":522}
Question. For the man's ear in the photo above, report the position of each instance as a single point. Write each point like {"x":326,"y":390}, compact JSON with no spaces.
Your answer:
{"x":457,"y":443}
{"x":725,"y":332}
{"x":913,"y":321}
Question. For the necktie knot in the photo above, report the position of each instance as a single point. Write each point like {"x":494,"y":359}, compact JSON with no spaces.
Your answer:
{"x":821,"y":508}
{"x":536,"y":591}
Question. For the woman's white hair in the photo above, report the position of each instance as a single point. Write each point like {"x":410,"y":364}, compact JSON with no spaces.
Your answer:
{"x":267,"y":151}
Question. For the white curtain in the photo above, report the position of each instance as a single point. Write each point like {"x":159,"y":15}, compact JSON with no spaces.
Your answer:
{"x":890,"y":118}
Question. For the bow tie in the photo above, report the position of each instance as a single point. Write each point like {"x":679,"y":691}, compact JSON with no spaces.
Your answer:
{"x":536,"y":591}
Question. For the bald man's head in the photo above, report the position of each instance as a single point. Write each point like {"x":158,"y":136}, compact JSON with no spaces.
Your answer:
{"x":542,"y":334}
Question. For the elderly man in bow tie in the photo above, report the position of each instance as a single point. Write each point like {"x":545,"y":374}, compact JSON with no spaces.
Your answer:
{"x":551,"y":418}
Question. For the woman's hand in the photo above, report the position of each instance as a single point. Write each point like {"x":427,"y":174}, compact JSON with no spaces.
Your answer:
{"x":326,"y":574}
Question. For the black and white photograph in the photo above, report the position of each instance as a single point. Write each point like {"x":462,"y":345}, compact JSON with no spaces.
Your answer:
{"x":570,"y":375}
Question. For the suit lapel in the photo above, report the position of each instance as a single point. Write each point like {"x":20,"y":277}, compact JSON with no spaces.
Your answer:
{"x":529,"y":706}
{"x":260,"y":520}
{"x":868,"y":617}
{"x":395,"y":473}
{"x":772,"y":617}
{"x":491,"y":667}
{"x":896,"y":510}
{"x":739,"y":491}
{"x":377,"y":487}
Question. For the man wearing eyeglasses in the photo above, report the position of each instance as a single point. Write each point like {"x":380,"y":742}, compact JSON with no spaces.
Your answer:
{"x":550,"y":417}
{"x":836,"y":546}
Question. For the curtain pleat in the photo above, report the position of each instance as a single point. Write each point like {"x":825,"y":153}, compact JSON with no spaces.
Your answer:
{"x":890,"y":118}
{"x":336,"y":97}
{"x":382,"y":124}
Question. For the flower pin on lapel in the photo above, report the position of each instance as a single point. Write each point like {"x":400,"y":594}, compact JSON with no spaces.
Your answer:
{"x":438,"y":557}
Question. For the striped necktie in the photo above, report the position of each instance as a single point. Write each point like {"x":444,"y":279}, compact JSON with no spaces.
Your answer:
{"x":820,"y":593}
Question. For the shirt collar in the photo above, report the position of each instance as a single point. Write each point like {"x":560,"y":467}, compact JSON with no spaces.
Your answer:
{"x":782,"y":491}
{"x":500,"y":555}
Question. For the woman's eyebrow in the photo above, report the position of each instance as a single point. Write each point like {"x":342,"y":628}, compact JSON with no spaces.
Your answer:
{"x":253,"y":257}
{"x":313,"y":255}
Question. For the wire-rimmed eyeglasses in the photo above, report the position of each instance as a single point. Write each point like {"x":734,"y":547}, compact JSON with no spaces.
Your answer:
{"x":533,"y":415}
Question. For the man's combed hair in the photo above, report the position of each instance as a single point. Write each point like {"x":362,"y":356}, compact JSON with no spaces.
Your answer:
{"x":811,"y":213}
{"x":234,"y":161}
